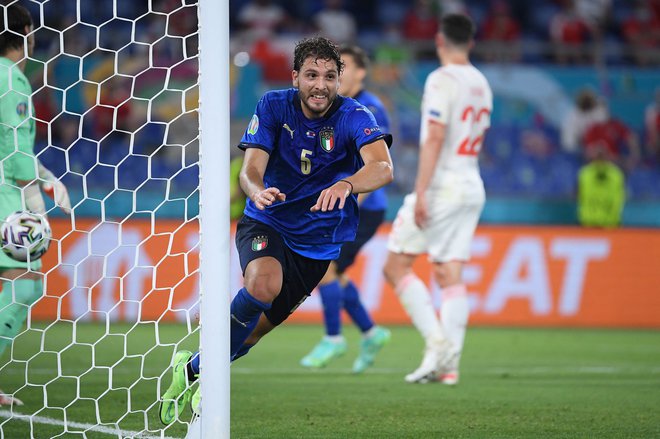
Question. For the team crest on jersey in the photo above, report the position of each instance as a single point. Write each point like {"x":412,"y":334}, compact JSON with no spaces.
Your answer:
{"x":259,"y":243}
{"x":254,"y":125}
{"x":21,"y":109}
{"x":327,"y":137}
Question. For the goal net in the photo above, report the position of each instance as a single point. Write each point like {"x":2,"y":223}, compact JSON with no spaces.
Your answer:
{"x":116,"y":107}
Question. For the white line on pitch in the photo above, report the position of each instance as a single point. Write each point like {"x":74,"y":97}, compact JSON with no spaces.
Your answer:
{"x":152,"y":373}
{"x":79,"y":425}
{"x":588,"y":370}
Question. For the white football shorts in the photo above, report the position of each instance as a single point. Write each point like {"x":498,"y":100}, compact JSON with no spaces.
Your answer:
{"x":449,"y":230}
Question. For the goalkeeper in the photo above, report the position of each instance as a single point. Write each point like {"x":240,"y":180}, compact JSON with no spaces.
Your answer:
{"x":21,"y":174}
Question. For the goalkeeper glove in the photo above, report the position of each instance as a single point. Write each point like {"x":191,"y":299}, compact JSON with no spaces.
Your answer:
{"x":34,"y":202}
{"x":55,"y":189}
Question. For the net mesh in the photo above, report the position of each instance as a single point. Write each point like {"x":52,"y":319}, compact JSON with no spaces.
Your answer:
{"x":115,"y":101}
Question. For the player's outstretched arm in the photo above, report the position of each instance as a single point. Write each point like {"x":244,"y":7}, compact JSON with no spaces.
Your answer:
{"x":54,"y":188}
{"x":252,"y":179}
{"x":376,"y":172}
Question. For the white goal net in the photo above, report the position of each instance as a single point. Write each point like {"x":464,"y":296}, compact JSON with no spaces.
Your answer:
{"x":115,"y":99}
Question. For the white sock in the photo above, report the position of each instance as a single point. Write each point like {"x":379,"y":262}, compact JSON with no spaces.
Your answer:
{"x":369,"y":333}
{"x":454,"y":314}
{"x":416,"y":300}
{"x":335,"y":338}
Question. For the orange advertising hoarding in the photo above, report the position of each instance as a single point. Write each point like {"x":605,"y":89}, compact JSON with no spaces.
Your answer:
{"x":522,"y":276}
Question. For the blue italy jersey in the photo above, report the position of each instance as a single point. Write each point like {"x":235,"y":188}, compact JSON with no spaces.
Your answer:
{"x":306,"y":157}
{"x":377,"y":200}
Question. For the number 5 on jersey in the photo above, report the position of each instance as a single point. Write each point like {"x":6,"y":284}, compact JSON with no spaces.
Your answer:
{"x":305,"y":163}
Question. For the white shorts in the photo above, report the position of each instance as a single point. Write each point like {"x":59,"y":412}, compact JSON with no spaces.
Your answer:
{"x":448,"y":233}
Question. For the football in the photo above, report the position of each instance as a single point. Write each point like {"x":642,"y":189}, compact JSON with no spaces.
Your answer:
{"x":25,"y":236}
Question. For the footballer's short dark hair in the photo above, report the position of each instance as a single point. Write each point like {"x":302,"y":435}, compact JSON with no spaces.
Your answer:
{"x":12,"y":27}
{"x":459,"y":29}
{"x":318,"y":48}
{"x":359,"y":55}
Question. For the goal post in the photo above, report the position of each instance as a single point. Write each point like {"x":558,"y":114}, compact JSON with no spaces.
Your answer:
{"x":214,"y":215}
{"x":123,"y":93}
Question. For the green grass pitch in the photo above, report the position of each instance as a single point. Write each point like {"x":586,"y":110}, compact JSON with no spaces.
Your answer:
{"x":515,"y":383}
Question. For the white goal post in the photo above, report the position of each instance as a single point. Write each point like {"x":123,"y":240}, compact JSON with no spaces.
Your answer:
{"x":124,"y":91}
{"x":214,"y":216}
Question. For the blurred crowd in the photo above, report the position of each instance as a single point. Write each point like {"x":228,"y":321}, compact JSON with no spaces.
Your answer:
{"x":561,"y":31}
{"x":121,"y":81}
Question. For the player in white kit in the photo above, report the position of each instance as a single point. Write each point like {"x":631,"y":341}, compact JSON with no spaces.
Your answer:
{"x":439,"y":218}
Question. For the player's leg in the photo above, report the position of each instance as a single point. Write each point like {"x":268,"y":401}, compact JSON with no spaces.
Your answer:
{"x":303,"y":275}
{"x":370,"y":220}
{"x":262,"y":267}
{"x":449,"y":257}
{"x":263,"y":327}
{"x":263,"y":277}
{"x":20,"y":289}
{"x":263,"y":282}
{"x":454,"y":313}
{"x":333,"y":344}
{"x":405,"y":243}
{"x":416,"y":300}
{"x":374,"y":337}
{"x":263,"y":257}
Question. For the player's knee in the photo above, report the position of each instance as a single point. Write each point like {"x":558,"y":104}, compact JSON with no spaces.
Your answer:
{"x":263,"y":288}
{"x":392,"y":271}
{"x":263,"y":280}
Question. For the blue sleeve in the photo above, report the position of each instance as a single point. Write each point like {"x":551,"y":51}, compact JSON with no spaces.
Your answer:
{"x":381,"y":117}
{"x":261,"y":131}
{"x":365,"y":128}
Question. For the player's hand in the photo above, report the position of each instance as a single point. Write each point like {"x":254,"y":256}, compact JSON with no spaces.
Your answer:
{"x":54,"y":188}
{"x":421,"y":211}
{"x":329,"y":197}
{"x":57,"y":192}
{"x":267,"y":197}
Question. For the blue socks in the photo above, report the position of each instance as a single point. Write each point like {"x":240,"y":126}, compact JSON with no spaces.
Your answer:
{"x":192,"y":368}
{"x":245,"y":312}
{"x":331,"y":298}
{"x":334,"y":297}
{"x":355,"y":309}
{"x":243,"y":350}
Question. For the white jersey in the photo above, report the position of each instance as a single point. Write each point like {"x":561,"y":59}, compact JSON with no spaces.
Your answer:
{"x":459,"y":97}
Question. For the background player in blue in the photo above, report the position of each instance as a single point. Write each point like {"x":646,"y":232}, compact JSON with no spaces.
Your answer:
{"x":308,"y":153}
{"x":336,"y":289}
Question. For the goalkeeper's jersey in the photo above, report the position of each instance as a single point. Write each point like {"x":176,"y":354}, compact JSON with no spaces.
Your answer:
{"x":16,"y":146}
{"x":17,"y":126}
{"x":307,"y":156}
